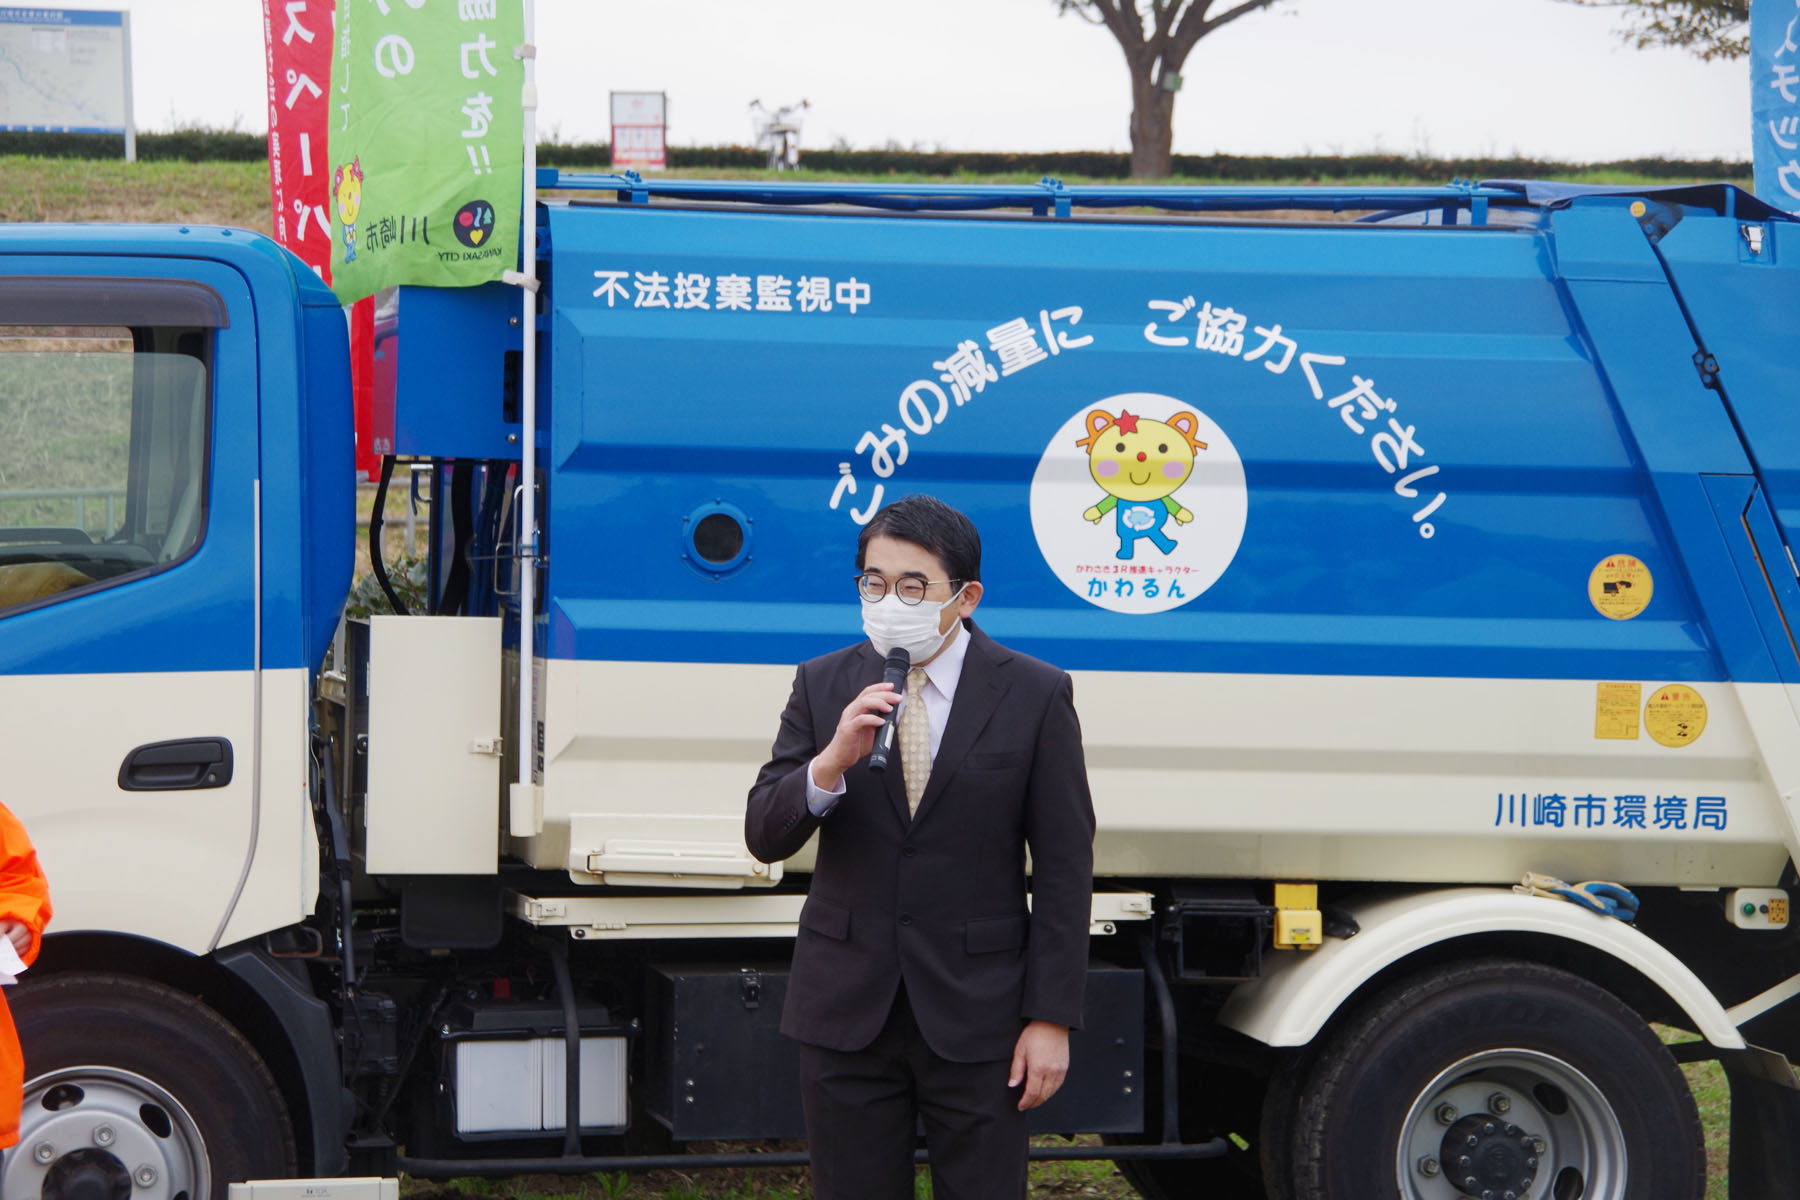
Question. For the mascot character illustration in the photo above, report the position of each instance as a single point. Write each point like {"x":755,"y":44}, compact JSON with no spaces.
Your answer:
{"x":346,"y":189}
{"x":1139,"y":463}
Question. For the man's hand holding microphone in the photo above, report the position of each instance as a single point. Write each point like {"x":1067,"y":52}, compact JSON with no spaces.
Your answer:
{"x":867,"y":726}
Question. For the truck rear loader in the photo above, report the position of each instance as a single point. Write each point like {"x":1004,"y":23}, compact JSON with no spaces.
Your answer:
{"x":1395,"y":559}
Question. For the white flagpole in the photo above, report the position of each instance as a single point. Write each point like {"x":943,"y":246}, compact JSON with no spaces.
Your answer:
{"x":526,"y":810}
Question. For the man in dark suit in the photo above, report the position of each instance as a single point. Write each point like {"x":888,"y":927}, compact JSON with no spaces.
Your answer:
{"x":921,"y":987}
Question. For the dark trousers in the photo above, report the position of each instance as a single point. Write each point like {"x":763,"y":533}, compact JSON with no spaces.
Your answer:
{"x":863,"y":1109}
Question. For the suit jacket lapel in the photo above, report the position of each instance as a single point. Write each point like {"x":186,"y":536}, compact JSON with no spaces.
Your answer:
{"x":978,"y":695}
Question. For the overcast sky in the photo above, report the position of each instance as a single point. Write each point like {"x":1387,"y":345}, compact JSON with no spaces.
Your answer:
{"x":1442,"y":77}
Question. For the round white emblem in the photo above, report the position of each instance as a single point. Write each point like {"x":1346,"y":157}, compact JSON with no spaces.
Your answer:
{"x":1139,"y":503}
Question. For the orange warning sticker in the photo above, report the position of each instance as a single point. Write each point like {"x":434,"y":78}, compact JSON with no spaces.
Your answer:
{"x":1616,"y":710}
{"x":1675,"y":715}
{"x":1620,"y":586}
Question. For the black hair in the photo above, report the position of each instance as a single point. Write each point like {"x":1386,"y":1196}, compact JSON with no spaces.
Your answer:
{"x":931,"y":525}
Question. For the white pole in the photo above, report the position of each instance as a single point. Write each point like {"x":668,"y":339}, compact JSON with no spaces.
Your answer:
{"x":528,"y":527}
{"x":130,"y":118}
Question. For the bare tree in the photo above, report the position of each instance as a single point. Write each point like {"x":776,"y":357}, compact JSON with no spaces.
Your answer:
{"x":1156,"y":42}
{"x":1708,"y":28}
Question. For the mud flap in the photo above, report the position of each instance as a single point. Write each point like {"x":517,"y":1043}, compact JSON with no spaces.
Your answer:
{"x":1765,"y":1124}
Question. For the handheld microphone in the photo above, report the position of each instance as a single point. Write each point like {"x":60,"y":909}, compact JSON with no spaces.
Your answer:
{"x":893,"y":673}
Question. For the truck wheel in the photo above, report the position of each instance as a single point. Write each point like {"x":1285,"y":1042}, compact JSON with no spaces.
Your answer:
{"x":1496,"y":1081}
{"x":134,"y":1091}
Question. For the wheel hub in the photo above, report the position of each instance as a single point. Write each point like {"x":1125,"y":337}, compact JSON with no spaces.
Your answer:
{"x":87,"y":1174}
{"x":104,"y":1133}
{"x":1540,"y":1107}
{"x":1488,"y":1157}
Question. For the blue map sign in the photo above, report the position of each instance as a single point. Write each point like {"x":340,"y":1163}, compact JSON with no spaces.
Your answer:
{"x":64,"y":70}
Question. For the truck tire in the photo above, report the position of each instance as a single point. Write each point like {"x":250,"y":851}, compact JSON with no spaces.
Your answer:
{"x":1497,"y":1080}
{"x":133,"y":1089}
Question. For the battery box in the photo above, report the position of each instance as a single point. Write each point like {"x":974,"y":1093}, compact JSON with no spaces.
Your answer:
{"x":719,"y":1066}
{"x":506,"y":1065}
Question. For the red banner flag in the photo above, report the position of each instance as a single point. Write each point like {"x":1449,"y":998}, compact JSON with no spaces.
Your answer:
{"x":298,"y":35}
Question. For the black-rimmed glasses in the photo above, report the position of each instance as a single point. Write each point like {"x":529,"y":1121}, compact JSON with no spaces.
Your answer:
{"x":910,"y":588}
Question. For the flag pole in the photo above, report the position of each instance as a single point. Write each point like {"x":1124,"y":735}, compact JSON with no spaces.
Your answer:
{"x":527,"y":808}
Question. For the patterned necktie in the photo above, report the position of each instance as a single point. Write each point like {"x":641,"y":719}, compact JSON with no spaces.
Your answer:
{"x":915,"y":740}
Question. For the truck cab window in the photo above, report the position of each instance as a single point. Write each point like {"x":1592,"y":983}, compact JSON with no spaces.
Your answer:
{"x":103,"y":456}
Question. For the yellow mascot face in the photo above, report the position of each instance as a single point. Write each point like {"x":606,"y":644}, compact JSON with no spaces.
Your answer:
{"x":346,"y":185}
{"x":1137,"y":458}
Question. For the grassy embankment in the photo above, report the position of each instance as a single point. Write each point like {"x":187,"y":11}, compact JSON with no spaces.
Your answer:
{"x":238,"y":193}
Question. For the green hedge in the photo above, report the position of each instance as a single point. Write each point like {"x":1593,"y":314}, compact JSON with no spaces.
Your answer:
{"x":1233,"y":167}
{"x":184,"y":145}
{"x":203,"y":145}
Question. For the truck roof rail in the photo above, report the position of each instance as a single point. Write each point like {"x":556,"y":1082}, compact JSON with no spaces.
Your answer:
{"x":1052,"y":197}
{"x":1048,"y":197}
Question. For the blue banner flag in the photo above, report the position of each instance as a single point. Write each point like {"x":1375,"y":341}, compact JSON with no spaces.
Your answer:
{"x":1775,"y":101}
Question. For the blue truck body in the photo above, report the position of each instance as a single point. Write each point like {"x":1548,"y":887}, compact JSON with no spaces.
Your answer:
{"x":1544,"y":365}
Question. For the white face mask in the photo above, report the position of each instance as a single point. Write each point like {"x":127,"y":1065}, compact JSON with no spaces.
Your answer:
{"x":893,"y":625}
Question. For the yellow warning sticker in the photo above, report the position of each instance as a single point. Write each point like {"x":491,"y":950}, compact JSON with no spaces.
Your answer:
{"x":1675,"y":715}
{"x":1616,"y":710}
{"x":1620,"y":587}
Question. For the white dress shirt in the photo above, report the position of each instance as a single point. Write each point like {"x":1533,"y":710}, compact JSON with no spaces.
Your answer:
{"x":942,"y":674}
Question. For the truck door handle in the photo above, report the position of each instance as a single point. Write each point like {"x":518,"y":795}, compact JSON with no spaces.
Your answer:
{"x":182,"y":765}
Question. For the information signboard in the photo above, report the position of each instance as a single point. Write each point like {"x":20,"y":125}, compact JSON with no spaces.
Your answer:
{"x":639,"y":127}
{"x":66,"y":70}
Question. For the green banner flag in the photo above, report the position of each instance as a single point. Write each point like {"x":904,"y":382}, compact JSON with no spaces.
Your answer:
{"x":427,"y":143}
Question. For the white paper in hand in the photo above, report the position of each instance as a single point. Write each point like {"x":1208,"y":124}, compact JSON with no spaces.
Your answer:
{"x":11,"y":965}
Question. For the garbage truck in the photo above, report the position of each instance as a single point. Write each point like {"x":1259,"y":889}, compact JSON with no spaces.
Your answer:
{"x":1422,"y":558}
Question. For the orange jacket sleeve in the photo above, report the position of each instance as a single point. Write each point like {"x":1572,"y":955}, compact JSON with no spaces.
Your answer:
{"x":24,"y":892}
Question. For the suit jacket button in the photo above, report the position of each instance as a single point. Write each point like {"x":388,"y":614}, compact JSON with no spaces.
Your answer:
{"x":906,"y":918}
{"x":909,"y":851}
